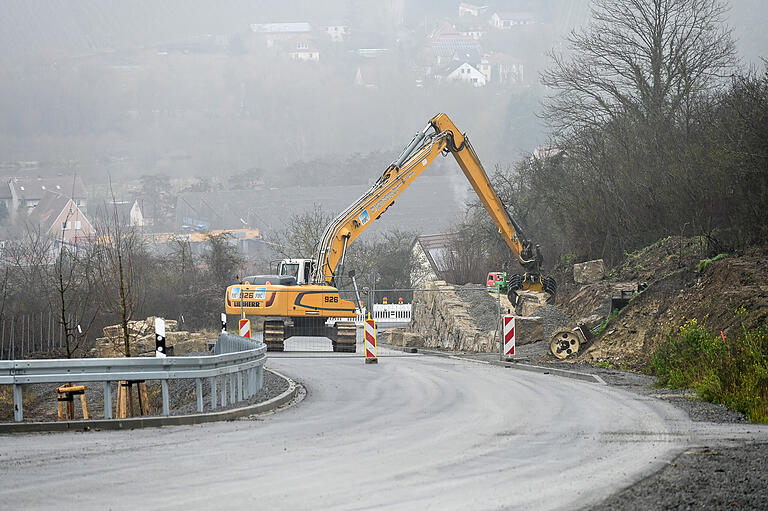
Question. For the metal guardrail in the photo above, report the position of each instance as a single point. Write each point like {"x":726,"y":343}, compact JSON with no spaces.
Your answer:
{"x":237,"y":363}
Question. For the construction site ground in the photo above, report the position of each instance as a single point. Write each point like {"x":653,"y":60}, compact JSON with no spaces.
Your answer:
{"x":725,"y":295}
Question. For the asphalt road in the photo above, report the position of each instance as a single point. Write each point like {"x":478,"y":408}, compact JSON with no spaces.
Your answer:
{"x":413,"y":432}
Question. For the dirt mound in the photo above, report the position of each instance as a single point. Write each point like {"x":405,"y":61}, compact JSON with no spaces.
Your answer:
{"x":728,"y":294}
{"x":656,"y":261}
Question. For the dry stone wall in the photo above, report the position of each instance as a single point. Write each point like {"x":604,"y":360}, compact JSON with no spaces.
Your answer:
{"x":142,"y":339}
{"x":440,"y":319}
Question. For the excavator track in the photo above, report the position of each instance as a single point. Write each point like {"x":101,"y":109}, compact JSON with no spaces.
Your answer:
{"x":345,"y":337}
{"x":274,"y":335}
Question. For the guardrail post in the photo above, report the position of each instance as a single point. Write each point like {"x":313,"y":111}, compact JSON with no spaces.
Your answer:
{"x":239,"y":386}
{"x":260,"y":377}
{"x":223,"y":390}
{"x":246,"y":385}
{"x":214,"y":393}
{"x":199,"y":389}
{"x":232,"y":384}
{"x":107,"y":400}
{"x":18,"y":410}
{"x":166,"y":404}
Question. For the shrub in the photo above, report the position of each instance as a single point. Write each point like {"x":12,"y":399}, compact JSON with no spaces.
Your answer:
{"x":704,"y":263}
{"x":733,"y":372}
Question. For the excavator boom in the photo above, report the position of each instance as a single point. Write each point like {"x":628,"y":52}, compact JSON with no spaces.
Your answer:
{"x":417,"y":156}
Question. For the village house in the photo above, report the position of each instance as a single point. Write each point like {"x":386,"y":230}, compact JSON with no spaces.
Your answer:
{"x":466,"y":9}
{"x":59,"y":217}
{"x":447,"y":46}
{"x":302,"y":48}
{"x":337,"y":33}
{"x":470,"y":27}
{"x":507,"y":20}
{"x":127,"y":213}
{"x":274,"y":33}
{"x":467,"y":73}
{"x":22,"y":194}
{"x":502,"y":69}
{"x":430,"y":253}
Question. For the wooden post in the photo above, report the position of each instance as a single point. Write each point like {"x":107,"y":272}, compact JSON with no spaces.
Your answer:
{"x":84,"y":405}
{"x":143,"y":398}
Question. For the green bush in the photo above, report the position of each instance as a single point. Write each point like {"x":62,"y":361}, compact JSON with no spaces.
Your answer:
{"x":733,"y":372}
{"x":706,"y":262}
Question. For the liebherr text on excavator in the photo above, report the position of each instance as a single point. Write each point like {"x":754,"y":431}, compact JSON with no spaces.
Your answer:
{"x":303,"y":299}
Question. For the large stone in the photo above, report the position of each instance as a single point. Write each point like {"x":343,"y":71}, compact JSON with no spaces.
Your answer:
{"x":529,"y":329}
{"x":113,"y":331}
{"x":589,"y":272}
{"x":174,"y":337}
{"x":393,"y":337}
{"x":530,"y":302}
{"x":411,"y":339}
{"x":196,"y":343}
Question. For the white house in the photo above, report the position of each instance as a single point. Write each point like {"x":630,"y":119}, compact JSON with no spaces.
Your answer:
{"x":337,"y":33}
{"x":300,"y":48}
{"x":466,"y":9}
{"x":279,"y":32}
{"x":469,"y":74}
{"x":59,"y":217}
{"x":507,"y":20}
{"x":502,"y":69}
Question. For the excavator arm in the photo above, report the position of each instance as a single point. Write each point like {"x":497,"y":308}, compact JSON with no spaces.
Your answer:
{"x":438,"y":137}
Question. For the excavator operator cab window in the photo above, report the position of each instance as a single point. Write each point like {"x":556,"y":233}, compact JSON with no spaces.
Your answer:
{"x":307,"y":272}
{"x":291,"y":270}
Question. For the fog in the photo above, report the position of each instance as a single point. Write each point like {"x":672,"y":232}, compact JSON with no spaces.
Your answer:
{"x":291,"y":93}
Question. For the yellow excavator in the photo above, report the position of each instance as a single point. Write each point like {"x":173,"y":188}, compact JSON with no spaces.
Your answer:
{"x":303,"y":298}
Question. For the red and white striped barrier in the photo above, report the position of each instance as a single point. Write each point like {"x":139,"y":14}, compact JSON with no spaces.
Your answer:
{"x":245,"y":328}
{"x":370,"y":341}
{"x":509,"y":336}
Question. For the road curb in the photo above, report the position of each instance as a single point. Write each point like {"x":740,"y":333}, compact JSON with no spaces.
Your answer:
{"x":564,"y":373}
{"x":153,"y":422}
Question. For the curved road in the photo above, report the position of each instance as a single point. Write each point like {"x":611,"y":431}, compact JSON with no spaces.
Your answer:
{"x":413,"y":432}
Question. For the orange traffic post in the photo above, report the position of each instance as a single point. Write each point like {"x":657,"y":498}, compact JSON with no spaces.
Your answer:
{"x":370,"y":341}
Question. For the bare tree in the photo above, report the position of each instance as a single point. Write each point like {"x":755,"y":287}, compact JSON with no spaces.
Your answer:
{"x":645,"y":58}
{"x":302,"y":233}
{"x":53,"y":272}
{"x":119,"y":251}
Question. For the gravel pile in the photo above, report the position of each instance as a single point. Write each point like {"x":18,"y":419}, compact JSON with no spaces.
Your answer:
{"x":552,"y":317}
{"x":481,"y":305}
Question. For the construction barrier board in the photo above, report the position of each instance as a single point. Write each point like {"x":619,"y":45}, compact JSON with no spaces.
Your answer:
{"x":245,"y":328}
{"x":509,"y":336}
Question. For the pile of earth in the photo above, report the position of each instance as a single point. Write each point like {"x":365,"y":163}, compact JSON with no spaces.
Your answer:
{"x":724,"y":295}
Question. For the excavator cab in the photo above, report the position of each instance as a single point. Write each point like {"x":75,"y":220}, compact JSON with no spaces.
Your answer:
{"x":300,"y":269}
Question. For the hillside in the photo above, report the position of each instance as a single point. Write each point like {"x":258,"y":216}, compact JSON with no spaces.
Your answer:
{"x":724,"y":296}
